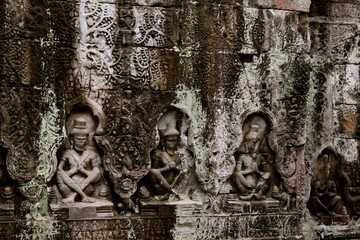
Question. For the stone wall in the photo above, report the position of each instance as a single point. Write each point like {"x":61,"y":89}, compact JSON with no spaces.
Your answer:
{"x":262,"y":97}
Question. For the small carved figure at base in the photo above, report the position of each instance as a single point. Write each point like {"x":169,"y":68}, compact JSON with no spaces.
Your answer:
{"x":126,"y":191}
{"x":79,"y":168}
{"x":126,"y":204}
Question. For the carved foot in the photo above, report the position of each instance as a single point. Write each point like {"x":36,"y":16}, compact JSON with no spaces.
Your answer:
{"x":247,"y":198}
{"x":163,"y":197}
{"x":175,"y":197}
{"x":88,"y":200}
{"x":68,"y":200}
{"x":331,"y":213}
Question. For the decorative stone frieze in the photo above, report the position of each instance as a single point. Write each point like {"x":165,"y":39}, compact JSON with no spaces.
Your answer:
{"x":193,"y":119}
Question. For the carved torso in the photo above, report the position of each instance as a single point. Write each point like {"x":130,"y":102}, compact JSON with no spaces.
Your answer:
{"x":162,"y":159}
{"x":88,"y":159}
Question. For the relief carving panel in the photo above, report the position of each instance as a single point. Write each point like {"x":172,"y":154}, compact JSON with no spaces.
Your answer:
{"x":327,"y":200}
{"x":267,"y":169}
{"x":80,"y":173}
{"x":170,"y":163}
{"x":254,"y":174}
{"x":149,"y":27}
{"x":126,"y":169}
{"x":79,"y":168}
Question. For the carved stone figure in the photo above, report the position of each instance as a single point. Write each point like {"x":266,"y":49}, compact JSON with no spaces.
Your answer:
{"x":324,"y":199}
{"x":165,"y":171}
{"x":125,"y":169}
{"x":286,"y":166}
{"x":253,"y":161}
{"x":79,"y":168}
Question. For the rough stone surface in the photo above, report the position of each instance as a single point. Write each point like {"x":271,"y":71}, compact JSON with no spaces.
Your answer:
{"x":302,"y":6}
{"x":206,"y":119}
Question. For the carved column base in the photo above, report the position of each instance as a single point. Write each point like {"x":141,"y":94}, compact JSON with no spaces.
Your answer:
{"x":79,"y":210}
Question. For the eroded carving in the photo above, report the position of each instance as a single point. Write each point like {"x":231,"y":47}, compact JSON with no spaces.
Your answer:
{"x":80,"y":172}
{"x":126,"y":169}
{"x":156,"y":27}
{"x":79,"y":168}
{"x":254,"y":169}
{"x":166,"y":170}
{"x":287,"y":167}
{"x":326,"y":202}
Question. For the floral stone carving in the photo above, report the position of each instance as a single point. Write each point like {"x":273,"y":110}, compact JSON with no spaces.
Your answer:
{"x":6,"y":183}
{"x":288,"y":167}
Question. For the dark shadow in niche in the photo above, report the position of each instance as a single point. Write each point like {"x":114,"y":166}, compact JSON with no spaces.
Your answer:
{"x":6,"y":182}
{"x":327,"y":202}
{"x":7,"y":189}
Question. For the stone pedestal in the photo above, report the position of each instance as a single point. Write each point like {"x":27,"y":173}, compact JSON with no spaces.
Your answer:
{"x":164,"y":208}
{"x":79,"y":210}
{"x":234,"y":204}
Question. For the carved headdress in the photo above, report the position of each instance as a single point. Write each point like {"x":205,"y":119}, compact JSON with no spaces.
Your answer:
{"x":79,"y":127}
{"x":167,"y":124}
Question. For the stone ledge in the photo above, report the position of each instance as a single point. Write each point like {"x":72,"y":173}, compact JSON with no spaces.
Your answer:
{"x":80,"y":210}
{"x":269,"y":205}
{"x":301,"y":6}
{"x":157,"y":208}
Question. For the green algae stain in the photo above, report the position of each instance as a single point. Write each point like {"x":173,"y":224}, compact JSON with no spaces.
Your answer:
{"x":39,"y":223}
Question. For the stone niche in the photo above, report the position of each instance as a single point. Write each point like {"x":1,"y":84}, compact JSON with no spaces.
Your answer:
{"x":264,"y":185}
{"x":80,"y":188}
{"x":202,"y":119}
{"x":330,"y":199}
{"x":170,"y":183}
{"x":254,"y":177}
